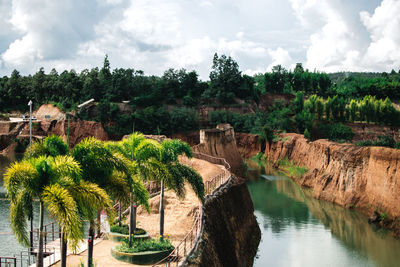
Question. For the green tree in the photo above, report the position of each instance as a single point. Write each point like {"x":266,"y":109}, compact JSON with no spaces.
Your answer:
{"x":298,"y":102}
{"x":171,"y":173}
{"x":55,"y":181}
{"x":353,"y":110}
{"x":99,"y":166}
{"x":320,"y":108}
{"x":225,"y":78}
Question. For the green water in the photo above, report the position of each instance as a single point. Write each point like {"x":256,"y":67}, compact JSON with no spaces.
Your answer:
{"x":298,"y":230}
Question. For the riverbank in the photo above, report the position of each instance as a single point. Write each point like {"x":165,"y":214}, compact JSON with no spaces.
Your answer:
{"x":365,"y":178}
{"x":299,"y":230}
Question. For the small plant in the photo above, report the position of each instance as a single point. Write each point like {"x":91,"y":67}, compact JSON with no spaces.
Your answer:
{"x":383,"y":216}
{"x":291,"y":169}
{"x":145,"y":245}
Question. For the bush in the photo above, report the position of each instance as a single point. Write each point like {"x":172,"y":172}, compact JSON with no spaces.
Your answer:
{"x":145,"y":245}
{"x":124,"y":229}
{"x":336,"y":132}
{"x":383,"y":140}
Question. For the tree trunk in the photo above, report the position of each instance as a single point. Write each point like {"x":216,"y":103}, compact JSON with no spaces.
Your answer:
{"x":31,"y":237}
{"x":90,"y":243}
{"x":132,"y":220}
{"x":119,"y":214}
{"x":162,"y":211}
{"x":63,"y":250}
{"x":98,"y":224}
{"x":39,"y":257}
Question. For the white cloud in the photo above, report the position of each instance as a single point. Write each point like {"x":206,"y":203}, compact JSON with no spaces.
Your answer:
{"x":155,"y":35}
{"x":384,"y":28}
{"x":49,"y":30}
{"x":280,"y":56}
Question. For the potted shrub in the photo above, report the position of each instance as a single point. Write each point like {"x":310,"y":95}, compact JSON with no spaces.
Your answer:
{"x":119,"y":233}
{"x":143,"y":251}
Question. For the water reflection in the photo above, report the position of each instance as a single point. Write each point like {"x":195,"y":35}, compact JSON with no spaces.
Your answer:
{"x":298,"y":230}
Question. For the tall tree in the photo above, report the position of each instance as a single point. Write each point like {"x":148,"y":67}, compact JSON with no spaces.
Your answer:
{"x":172,"y":174}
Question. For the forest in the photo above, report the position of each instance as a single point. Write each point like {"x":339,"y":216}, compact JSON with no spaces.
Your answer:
{"x":170,"y":103}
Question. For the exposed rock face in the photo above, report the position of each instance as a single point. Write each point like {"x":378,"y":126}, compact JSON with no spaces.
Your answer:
{"x":49,"y":112}
{"x":231,"y":233}
{"x":221,"y":143}
{"x":192,"y":138}
{"x":78,"y":130}
{"x":247,"y":144}
{"x":365,"y":177}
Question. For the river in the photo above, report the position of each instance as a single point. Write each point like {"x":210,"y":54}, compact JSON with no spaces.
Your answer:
{"x":298,"y":230}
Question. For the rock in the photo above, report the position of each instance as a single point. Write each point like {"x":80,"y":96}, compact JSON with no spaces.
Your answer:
{"x":221,"y":143}
{"x":348,"y":175}
{"x":247,"y":144}
{"x":375,"y":218}
{"x":231,"y":234}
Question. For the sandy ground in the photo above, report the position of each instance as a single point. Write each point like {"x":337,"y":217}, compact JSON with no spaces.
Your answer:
{"x":179,"y":218}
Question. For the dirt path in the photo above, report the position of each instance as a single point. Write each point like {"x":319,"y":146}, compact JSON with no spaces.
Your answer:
{"x":179,"y":219}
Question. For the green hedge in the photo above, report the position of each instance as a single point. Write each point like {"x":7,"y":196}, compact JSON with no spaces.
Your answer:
{"x":124,"y":229}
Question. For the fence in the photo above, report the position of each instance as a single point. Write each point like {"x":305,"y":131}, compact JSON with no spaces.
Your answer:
{"x":187,"y":244}
{"x":8,"y":261}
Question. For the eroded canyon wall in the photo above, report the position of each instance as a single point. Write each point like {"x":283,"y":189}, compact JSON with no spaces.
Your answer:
{"x":231,"y":234}
{"x":221,"y":143}
{"x":365,"y":177}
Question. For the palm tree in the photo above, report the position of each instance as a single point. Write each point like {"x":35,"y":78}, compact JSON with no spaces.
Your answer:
{"x":172,"y":174}
{"x":102,"y":167}
{"x":50,"y":146}
{"x":138,"y":193}
{"x":55,"y":181}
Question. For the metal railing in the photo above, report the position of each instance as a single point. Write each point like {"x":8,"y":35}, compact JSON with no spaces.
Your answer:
{"x":188,"y":242}
{"x":185,"y":246}
{"x":8,"y":261}
{"x":51,"y":232}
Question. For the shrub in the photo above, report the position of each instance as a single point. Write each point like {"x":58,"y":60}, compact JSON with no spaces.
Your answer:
{"x":145,"y":245}
{"x":336,"y":132}
{"x":124,"y":229}
{"x":383,"y":140}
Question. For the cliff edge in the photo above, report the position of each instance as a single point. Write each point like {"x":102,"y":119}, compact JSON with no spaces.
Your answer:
{"x":221,"y":143}
{"x":231,"y":234}
{"x":367,"y":178}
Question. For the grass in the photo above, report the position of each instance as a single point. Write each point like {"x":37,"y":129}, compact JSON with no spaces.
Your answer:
{"x":291,"y":169}
{"x":145,"y":245}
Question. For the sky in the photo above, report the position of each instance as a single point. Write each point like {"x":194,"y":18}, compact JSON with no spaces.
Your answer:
{"x":153,"y":36}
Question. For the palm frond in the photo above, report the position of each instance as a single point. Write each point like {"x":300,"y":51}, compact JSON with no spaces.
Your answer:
{"x":94,"y":159}
{"x":90,"y":197}
{"x":118,"y":187}
{"x":55,"y":146}
{"x":176,"y":180}
{"x":140,"y":193}
{"x":147,"y":149}
{"x":152,"y":169}
{"x":15,"y":176}
{"x":37,"y":149}
{"x":171,"y":149}
{"x":18,"y":219}
{"x":131,"y":143}
{"x":62,"y":206}
{"x":193,"y":178}
{"x":66,"y":166}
